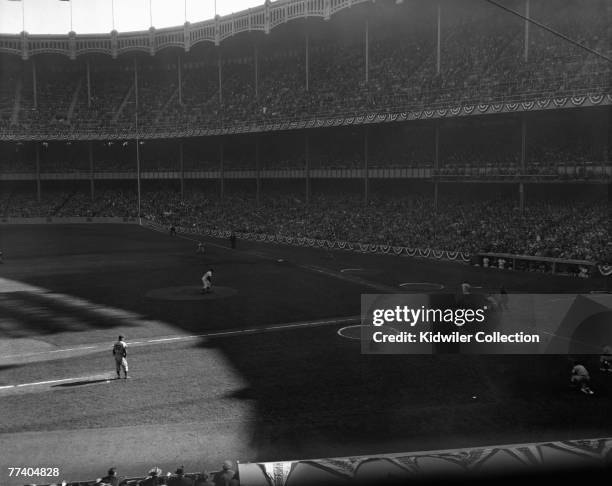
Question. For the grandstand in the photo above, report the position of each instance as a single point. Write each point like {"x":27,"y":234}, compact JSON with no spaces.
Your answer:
{"x":299,"y":94}
{"x":448,"y":129}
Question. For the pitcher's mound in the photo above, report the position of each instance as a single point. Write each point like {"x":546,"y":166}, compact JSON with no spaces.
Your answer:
{"x":190,"y":292}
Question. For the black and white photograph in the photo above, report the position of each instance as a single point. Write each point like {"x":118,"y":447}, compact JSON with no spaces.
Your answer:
{"x":303,"y":242}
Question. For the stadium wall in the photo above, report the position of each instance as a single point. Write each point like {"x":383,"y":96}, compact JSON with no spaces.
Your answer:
{"x":68,"y":220}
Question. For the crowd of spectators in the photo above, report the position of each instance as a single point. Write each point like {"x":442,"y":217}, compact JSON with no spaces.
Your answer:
{"x":482,"y":59}
{"x":558,"y":146}
{"x":226,"y":476}
{"x":564,"y":228}
{"x":571,"y":229}
{"x":107,"y":203}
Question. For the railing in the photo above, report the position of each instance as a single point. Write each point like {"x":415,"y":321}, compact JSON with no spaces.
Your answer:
{"x":558,"y":266}
{"x":390,"y":111}
{"x":597,"y":172}
{"x":68,"y":220}
{"x":562,"y":171}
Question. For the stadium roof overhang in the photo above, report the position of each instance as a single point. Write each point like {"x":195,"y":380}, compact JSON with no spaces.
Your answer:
{"x":263,"y":19}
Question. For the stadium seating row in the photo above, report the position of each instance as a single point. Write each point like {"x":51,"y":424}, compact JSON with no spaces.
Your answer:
{"x":554,"y":227}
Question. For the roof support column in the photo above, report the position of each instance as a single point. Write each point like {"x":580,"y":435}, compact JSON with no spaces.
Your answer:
{"x":138,"y":171}
{"x":179,"y":69}
{"x":220,"y":76}
{"x":438,"y":38}
{"x":436,"y":155}
{"x":38,"y":189}
{"x":88,"y":71}
{"x":526,"y":46}
{"x":307,"y":42}
{"x":307,"y":159}
{"x":182,"y":169}
{"x":523,"y":144}
{"x":34,"y":89}
{"x":256,"y":62}
{"x":91,"y":170}
{"x":221,"y":169}
{"x":366,"y":175}
{"x":138,"y":174}
{"x":435,"y":195}
{"x":258,"y":171}
{"x":136,"y":85}
{"x":367,"y":51}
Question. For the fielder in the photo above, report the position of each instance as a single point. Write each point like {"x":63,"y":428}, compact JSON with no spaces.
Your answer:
{"x":120,"y":354}
{"x":207,"y":282}
{"x":580,"y":377}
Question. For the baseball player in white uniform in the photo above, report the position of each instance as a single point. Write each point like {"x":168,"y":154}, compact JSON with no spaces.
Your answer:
{"x":581,"y":378}
{"x":207,"y":282}
{"x":120,"y":355}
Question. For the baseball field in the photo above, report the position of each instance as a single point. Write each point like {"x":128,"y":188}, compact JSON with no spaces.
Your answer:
{"x":254,"y":371}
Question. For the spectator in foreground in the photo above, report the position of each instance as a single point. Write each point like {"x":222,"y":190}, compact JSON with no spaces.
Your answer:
{"x":204,"y":479}
{"x":110,"y":479}
{"x":225,"y":476}
{"x":153,"y":478}
{"x":179,"y":479}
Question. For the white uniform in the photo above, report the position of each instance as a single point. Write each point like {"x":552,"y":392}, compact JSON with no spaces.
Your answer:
{"x":207,"y":281}
{"x":120,"y":353}
{"x":580,"y":373}
{"x":581,"y":378}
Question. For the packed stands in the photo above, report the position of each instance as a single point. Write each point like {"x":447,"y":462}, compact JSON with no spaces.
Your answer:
{"x":576,"y":228}
{"x":482,"y":59}
{"x":373,"y":58}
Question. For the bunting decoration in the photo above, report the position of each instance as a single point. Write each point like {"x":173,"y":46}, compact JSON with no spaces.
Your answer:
{"x":557,"y":102}
{"x":381,"y":249}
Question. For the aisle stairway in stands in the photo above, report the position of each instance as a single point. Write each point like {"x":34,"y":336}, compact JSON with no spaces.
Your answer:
{"x":123,"y":104}
{"x":75,"y":99}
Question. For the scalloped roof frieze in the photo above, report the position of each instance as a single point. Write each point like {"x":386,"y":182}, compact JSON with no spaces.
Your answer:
{"x":262,"y":18}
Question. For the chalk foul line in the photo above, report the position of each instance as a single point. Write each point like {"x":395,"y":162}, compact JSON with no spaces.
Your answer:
{"x":166,"y":339}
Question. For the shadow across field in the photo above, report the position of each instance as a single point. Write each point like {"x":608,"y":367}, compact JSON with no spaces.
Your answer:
{"x":315,"y":395}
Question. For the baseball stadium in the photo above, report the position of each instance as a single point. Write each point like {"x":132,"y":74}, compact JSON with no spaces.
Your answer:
{"x":224,"y":193}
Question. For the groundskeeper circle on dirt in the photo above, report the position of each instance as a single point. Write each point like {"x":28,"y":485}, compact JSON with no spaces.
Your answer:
{"x":190,"y":292}
{"x":421,"y":286}
{"x":354,"y":332}
{"x":358,"y":271}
